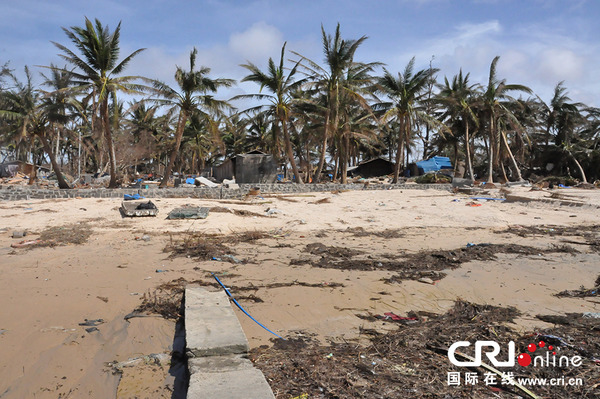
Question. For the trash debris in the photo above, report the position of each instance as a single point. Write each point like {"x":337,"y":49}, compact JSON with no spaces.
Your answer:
{"x":273,"y":211}
{"x":91,"y":329}
{"x":488,"y":199}
{"x":22,"y":244}
{"x":591,"y":315}
{"x":205,"y":182}
{"x":144,"y":208}
{"x":103,"y":299}
{"x":161,"y":271}
{"x":472,"y":204}
{"x":95,"y":322}
{"x":128,"y":197}
{"x":135,"y":314}
{"x":158,"y":359}
{"x":19,"y":234}
{"x":189,"y":213}
{"x":145,"y":237}
{"x":394,"y":317}
{"x":232,"y":258}
{"x":426,"y":280}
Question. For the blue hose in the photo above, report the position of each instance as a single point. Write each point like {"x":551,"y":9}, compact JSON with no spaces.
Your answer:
{"x":242,"y":309}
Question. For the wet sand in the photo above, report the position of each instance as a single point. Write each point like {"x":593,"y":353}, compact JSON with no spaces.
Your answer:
{"x":47,"y":292}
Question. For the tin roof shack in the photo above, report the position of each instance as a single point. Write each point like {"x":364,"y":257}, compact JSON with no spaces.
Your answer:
{"x":372,"y":168}
{"x":253,"y":167}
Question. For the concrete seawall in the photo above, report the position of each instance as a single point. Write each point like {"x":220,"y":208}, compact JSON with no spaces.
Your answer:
{"x":16,"y":193}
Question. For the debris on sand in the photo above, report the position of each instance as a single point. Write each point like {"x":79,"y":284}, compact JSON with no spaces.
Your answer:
{"x":77,"y":234}
{"x":412,"y":360}
{"x":582,"y":292}
{"x":387,"y":233}
{"x":189,"y":213}
{"x":237,"y":212}
{"x":416,"y":266}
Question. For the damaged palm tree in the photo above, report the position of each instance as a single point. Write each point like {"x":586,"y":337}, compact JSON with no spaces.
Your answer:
{"x":193,"y":99}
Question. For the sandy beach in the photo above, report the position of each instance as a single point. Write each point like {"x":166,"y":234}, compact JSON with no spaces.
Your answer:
{"x":292,"y":275}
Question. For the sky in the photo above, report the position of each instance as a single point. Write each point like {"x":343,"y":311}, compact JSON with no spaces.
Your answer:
{"x":540,"y":42}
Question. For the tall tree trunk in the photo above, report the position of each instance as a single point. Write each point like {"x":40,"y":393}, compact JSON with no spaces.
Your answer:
{"x":490,"y":178}
{"x":62,"y":183}
{"x":317,"y":176}
{"x":468,"y":153}
{"x":290,"y":152}
{"x":581,"y":171}
{"x":109,"y":144}
{"x":399,"y":153}
{"x":33,"y":174}
{"x":344,"y":159}
{"x":336,"y":166}
{"x":183,"y":117}
{"x":512,"y":158}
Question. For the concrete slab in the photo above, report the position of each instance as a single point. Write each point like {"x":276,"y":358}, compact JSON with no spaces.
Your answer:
{"x":233,"y":378}
{"x":212,"y":328}
{"x":217,"y":350}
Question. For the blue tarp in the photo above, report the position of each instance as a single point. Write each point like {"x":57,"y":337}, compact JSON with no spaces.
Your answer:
{"x":434,"y":164}
{"x":190,"y":180}
{"x":128,"y":197}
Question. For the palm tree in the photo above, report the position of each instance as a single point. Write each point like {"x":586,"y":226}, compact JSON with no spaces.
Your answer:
{"x":459,"y":99}
{"x":339,"y":57}
{"x":96,"y":74}
{"x":494,"y":101}
{"x":58,"y":102}
{"x":193,"y":98}
{"x":405,"y":91}
{"x":281,"y":99}
{"x":25,"y":107}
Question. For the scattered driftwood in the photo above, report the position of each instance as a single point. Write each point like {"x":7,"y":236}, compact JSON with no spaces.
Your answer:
{"x":408,"y":363}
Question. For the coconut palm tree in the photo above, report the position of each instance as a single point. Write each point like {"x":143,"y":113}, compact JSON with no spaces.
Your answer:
{"x":328,"y":80}
{"x":406,"y":91}
{"x":281,"y":100}
{"x":460,"y":99}
{"x":61,"y":107}
{"x":194,"y":96}
{"x":494,"y":101}
{"x":31,"y":118}
{"x":96,"y":73}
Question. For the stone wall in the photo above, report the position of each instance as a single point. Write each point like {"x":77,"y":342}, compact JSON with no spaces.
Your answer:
{"x":16,"y":193}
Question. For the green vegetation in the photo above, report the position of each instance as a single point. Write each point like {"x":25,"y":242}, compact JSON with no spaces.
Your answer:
{"x":318,"y":118}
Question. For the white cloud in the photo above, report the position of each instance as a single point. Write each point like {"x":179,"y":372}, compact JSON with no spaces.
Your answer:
{"x":260,"y":41}
{"x":531,"y":55}
{"x":557,"y":64}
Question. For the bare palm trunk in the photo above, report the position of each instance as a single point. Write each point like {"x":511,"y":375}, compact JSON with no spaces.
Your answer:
{"x":490,"y":178}
{"x":581,"y":171}
{"x":62,"y":183}
{"x":503,"y":171}
{"x":512,"y":158}
{"x":289,"y":151}
{"x":317,"y":176}
{"x":109,"y":143}
{"x":468,"y":153}
{"x":183,"y":117}
{"x":399,"y":153}
{"x":344,"y":159}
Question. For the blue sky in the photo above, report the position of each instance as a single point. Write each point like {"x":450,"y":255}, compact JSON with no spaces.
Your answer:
{"x":541,"y":42}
